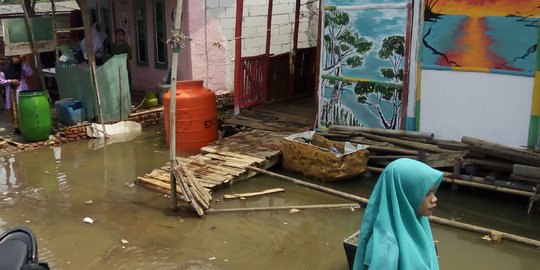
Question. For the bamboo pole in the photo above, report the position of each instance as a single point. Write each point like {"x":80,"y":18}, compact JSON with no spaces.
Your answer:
{"x":172,"y":110}
{"x":160,"y":109}
{"x":386,"y":132}
{"x":473,"y":182}
{"x":92,"y":60}
{"x":53,"y":7}
{"x":406,"y":143}
{"x":34,"y":49}
{"x":434,"y":219}
{"x":299,"y":207}
{"x":310,"y":185}
{"x":486,"y":186}
{"x":253,"y":194}
{"x":482,"y":230}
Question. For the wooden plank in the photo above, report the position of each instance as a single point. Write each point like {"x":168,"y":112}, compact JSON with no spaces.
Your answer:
{"x":441,"y":159}
{"x":230,"y":159}
{"x":525,"y":178}
{"x":163,"y":178}
{"x":524,"y":170}
{"x":157,"y":183}
{"x":232,"y":154}
{"x":215,"y":165}
{"x":502,"y":151}
{"x":405,"y":143}
{"x":253,"y":194}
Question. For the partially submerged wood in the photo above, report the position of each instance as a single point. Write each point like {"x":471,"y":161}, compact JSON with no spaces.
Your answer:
{"x":528,"y":171}
{"x":441,"y":159}
{"x":310,"y":185}
{"x":299,"y":207}
{"x":484,"y":231}
{"x":502,"y":151}
{"x":434,"y":219}
{"x":253,"y":194}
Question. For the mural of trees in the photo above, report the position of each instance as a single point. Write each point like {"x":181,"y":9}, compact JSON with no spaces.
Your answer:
{"x":343,"y":48}
{"x":372,"y":93}
{"x":362,"y":67}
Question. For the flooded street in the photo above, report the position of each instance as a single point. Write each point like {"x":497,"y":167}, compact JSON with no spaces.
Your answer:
{"x":50,"y":191}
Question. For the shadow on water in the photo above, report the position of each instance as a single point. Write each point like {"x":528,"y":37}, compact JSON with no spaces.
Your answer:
{"x":47,"y":190}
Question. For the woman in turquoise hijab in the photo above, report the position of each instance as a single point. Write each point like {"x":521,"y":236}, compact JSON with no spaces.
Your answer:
{"x":395,"y":232}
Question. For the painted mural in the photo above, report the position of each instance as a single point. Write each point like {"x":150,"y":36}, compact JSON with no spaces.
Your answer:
{"x":497,"y":36}
{"x":362,"y":63}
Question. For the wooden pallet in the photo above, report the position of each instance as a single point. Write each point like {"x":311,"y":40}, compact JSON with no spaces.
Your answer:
{"x":223,"y":162}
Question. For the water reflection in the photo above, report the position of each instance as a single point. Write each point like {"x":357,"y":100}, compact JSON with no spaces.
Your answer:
{"x":49,"y":188}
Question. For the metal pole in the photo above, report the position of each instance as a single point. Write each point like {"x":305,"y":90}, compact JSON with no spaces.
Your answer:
{"x":172,"y":109}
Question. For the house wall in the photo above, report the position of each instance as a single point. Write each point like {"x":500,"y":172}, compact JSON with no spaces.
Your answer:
{"x":146,"y":78}
{"x":488,"y":106}
{"x":480,"y":81}
{"x":221,"y":20}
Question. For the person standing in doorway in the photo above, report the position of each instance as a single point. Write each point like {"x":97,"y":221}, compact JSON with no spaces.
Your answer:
{"x":395,"y":232}
{"x":120,"y":46}
{"x":13,"y":77}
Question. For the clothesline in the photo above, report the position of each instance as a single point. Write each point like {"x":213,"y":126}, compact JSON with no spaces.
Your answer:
{"x":220,"y":43}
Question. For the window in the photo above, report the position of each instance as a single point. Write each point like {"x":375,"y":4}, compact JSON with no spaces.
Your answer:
{"x":140,"y":32}
{"x":160,"y":35}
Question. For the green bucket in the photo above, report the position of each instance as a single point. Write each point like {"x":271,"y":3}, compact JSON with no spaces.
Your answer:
{"x":34,"y":115}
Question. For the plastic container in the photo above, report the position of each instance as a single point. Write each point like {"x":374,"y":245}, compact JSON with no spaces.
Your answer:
{"x":70,"y":111}
{"x":196,"y":116}
{"x":34,"y":115}
{"x":151,"y":100}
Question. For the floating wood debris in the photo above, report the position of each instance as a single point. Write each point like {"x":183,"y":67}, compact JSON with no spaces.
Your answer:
{"x":469,"y":162}
{"x":253,"y":194}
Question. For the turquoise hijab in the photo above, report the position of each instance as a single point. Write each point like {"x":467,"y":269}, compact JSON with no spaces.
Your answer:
{"x":392,"y":235}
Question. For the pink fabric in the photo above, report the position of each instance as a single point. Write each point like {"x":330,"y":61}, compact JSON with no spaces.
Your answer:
{"x":26,"y":71}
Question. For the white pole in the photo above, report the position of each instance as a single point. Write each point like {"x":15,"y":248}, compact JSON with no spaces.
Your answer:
{"x":172,"y":110}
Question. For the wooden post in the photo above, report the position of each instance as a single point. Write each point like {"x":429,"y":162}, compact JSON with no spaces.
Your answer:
{"x":317,"y":67}
{"x":92,"y":59}
{"x":293,"y":65}
{"x":267,"y":51}
{"x":238,"y":69}
{"x":172,"y":109}
{"x":53,"y":7}
{"x":406,"y":66}
{"x":34,"y":50}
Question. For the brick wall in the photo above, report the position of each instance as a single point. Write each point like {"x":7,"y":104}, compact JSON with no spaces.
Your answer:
{"x":254,"y":27}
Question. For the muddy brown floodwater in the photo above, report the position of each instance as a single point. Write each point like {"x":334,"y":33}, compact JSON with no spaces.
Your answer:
{"x":48,"y":190}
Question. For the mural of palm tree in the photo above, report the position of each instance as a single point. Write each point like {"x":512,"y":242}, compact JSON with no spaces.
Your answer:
{"x":372,"y":93}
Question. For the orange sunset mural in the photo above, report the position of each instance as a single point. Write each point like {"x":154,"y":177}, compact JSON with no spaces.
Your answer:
{"x":481,"y":35}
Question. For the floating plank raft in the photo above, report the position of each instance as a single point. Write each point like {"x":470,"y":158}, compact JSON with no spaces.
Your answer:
{"x":224,"y":161}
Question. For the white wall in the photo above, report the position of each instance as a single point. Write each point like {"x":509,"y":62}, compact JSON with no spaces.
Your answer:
{"x":488,"y":106}
{"x":254,"y":28}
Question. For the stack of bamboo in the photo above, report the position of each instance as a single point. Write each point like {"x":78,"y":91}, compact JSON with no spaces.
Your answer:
{"x":194,"y":193}
{"x":471,"y":162}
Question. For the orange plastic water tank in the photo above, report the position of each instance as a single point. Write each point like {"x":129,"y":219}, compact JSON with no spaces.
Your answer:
{"x":196,"y":116}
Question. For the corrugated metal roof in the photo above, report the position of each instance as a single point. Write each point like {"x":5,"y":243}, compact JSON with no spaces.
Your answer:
{"x":61,"y":7}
